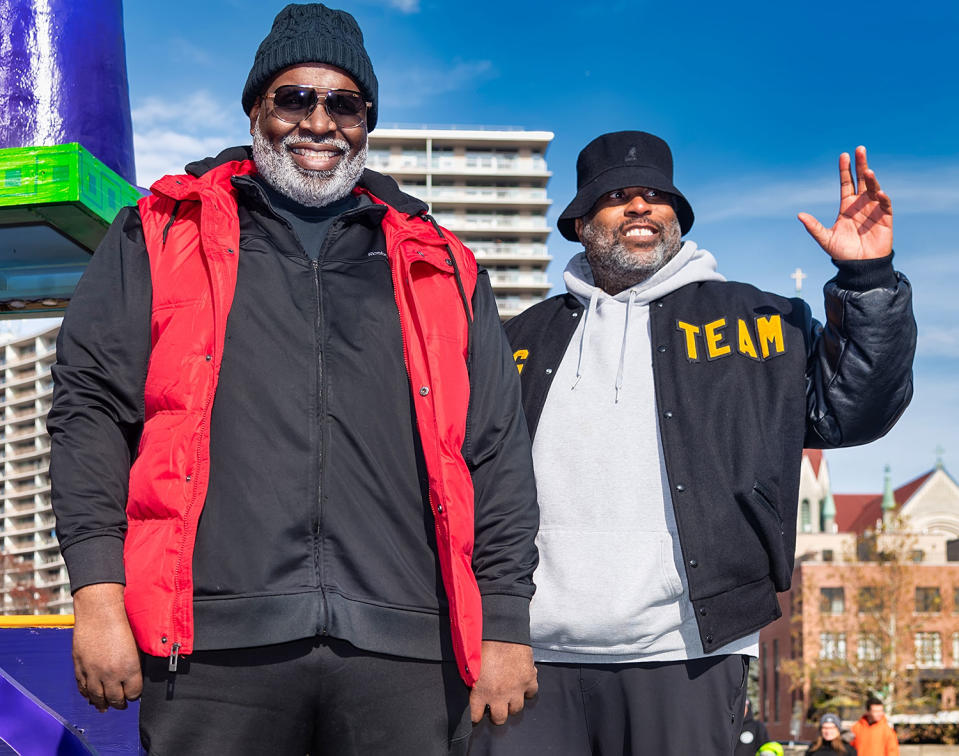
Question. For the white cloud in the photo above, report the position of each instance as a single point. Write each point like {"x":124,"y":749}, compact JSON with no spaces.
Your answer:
{"x":938,"y":341}
{"x":916,"y":188}
{"x":169,"y":133}
{"x":406,"y":6}
{"x":405,"y":87}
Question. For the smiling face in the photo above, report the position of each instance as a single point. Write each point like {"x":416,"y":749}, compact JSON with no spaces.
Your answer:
{"x":629,"y":234}
{"x":829,"y":731}
{"x":314,"y":161}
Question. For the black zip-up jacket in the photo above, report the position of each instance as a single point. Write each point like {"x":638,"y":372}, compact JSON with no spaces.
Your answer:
{"x":736,"y":411}
{"x":317,"y":519}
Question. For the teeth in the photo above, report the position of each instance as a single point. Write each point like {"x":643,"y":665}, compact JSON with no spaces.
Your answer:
{"x":640,"y":232}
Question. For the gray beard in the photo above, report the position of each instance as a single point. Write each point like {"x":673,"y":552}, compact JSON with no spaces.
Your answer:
{"x":616,"y":268}
{"x":310,"y":188}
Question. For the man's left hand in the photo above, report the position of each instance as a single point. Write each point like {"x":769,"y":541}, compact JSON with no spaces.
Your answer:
{"x":863,"y":229}
{"x":507,"y":678}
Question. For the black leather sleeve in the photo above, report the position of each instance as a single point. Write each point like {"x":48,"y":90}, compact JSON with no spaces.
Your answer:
{"x":498,"y":453}
{"x":97,"y":414}
{"x":859,"y":374}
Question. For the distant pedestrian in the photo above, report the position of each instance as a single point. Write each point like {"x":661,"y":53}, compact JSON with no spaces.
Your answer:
{"x":873,"y":733}
{"x":830,"y":730}
{"x":753,"y":734}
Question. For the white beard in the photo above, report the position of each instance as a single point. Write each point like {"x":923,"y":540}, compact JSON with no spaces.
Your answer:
{"x":310,"y":188}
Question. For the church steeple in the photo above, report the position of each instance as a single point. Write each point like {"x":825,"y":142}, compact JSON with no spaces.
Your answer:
{"x":888,"y":498}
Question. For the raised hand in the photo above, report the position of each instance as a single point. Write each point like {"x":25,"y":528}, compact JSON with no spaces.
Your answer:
{"x":863,"y":228}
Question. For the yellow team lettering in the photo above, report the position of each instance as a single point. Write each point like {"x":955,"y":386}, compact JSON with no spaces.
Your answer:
{"x":746,"y":345}
{"x":690,"y":330}
{"x":519,"y":357}
{"x":769,"y":331}
{"x":713,"y":334}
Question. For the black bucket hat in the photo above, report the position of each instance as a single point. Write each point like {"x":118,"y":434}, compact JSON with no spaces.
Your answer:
{"x":616,"y":161}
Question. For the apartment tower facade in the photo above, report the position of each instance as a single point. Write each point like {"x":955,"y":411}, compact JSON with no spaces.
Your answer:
{"x":487,"y":186}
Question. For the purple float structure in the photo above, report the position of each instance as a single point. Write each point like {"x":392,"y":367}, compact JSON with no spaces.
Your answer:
{"x":66,"y":168}
{"x":66,"y":145}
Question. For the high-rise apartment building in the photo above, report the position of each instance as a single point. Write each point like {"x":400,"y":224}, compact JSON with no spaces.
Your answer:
{"x":486,"y":186}
{"x":33,"y":578}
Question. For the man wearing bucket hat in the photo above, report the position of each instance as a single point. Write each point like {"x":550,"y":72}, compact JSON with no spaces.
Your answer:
{"x":310,"y":552}
{"x":669,"y":409}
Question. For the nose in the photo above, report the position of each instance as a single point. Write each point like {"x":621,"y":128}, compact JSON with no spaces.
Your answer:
{"x":319,"y":121}
{"x":637,"y":205}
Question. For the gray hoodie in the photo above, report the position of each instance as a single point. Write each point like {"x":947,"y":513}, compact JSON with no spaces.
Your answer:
{"x":609,"y":586}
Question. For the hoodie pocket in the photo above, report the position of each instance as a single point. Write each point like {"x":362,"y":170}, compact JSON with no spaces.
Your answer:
{"x":605,"y":592}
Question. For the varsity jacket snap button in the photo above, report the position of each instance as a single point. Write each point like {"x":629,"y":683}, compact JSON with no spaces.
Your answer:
{"x":424,"y":390}
{"x":449,"y":260}
{"x":439,"y":508}
{"x":575,"y":314}
{"x":229,"y":251}
{"x":680,"y":488}
{"x":667,"y":414}
{"x":702,"y":612}
{"x":659,"y":304}
{"x":693,"y":563}
{"x":549,"y":371}
{"x":209,"y":357}
{"x":187,"y":478}
{"x":661,"y":348}
{"x":709,"y":639}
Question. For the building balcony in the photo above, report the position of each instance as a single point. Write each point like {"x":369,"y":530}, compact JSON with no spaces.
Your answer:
{"x":440,"y":196}
{"x":397,"y":166}
{"x":13,"y":454}
{"x":511,"y":306}
{"x":13,"y":492}
{"x":512,"y":224}
{"x":41,"y":355}
{"x":31,"y":396}
{"x":16,"y":380}
{"x":32,"y":507}
{"x":32,"y":414}
{"x":521,"y":281}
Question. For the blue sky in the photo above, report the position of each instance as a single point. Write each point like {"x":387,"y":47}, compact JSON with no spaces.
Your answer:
{"x":757,"y":99}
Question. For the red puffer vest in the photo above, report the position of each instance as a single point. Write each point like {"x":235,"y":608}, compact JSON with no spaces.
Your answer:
{"x":193,"y":263}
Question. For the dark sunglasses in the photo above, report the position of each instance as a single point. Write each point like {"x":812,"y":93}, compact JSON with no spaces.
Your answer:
{"x":293,"y":103}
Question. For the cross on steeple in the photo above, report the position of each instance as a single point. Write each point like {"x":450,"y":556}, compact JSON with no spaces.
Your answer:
{"x":939,"y":452}
{"x":798,"y":277}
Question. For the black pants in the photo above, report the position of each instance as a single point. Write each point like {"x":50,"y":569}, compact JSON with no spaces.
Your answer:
{"x":685,"y":708}
{"x":319,"y":697}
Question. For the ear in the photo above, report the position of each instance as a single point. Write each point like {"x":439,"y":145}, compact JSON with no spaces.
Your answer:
{"x":254,"y":113}
{"x":578,"y":225}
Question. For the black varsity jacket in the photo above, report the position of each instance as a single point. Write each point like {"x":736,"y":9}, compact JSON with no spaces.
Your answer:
{"x":744,"y":380}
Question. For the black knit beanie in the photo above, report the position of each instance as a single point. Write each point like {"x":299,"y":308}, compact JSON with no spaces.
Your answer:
{"x":312,"y":34}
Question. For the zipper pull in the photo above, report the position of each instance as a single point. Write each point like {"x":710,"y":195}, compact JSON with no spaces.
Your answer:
{"x":174,"y":658}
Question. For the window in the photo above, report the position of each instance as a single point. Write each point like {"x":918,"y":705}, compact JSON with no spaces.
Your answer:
{"x":928,"y":599}
{"x":867,"y":647}
{"x":827,"y":555}
{"x":955,"y":649}
{"x":832,"y":600}
{"x":928,"y":649}
{"x":917,"y":555}
{"x":869,"y":600}
{"x":955,"y":600}
{"x":832,"y":646}
{"x":805,"y":517}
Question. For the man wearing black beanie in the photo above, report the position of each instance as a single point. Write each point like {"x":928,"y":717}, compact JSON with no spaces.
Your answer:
{"x":262,"y":475}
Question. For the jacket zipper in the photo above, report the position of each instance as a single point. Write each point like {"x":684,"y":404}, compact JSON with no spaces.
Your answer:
{"x":318,"y":419}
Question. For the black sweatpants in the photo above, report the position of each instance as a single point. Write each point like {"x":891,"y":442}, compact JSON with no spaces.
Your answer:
{"x":316,"y":696}
{"x":684,"y":708}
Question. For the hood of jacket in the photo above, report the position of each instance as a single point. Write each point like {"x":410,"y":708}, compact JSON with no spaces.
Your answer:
{"x":689,"y":265}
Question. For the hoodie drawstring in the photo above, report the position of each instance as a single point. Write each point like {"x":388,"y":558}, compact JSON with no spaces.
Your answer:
{"x":583,"y":338}
{"x":622,"y":351}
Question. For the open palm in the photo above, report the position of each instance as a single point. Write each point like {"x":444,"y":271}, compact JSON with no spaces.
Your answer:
{"x":863,"y":228}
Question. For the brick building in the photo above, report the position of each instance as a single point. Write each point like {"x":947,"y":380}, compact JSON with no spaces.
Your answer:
{"x":874,"y":597}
